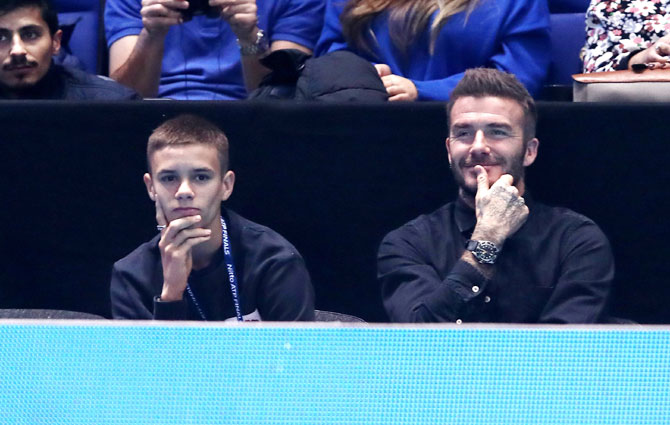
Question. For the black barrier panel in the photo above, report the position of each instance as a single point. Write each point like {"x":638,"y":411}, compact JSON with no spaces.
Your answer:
{"x":333,"y":179}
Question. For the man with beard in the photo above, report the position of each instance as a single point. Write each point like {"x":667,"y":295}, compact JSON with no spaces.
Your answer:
{"x":29,"y":38}
{"x":495,"y":254}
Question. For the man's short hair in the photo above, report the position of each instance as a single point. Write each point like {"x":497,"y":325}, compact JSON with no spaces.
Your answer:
{"x":49,"y":14}
{"x":483,"y":82}
{"x":189,"y":130}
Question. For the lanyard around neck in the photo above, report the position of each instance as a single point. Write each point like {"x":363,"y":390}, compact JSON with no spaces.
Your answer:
{"x":232,"y":277}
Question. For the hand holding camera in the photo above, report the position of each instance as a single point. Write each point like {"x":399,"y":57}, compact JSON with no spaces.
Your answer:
{"x":242,"y":15}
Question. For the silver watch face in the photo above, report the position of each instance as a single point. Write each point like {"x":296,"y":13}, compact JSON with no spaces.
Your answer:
{"x":486,"y":252}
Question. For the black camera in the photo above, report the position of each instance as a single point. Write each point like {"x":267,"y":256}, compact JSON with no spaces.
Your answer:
{"x":200,"y":7}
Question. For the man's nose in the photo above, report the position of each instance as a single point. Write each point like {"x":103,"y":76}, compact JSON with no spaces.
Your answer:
{"x":479,"y":144}
{"x":184,"y":191}
{"x":17,"y":49}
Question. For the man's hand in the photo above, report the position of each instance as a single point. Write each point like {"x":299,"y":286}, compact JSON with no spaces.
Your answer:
{"x":500,"y":210}
{"x":242,"y":16}
{"x":176,"y":244}
{"x":159,"y":15}
{"x":398,"y":88}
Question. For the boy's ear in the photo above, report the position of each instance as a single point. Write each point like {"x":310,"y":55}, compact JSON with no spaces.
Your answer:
{"x":148,"y":182}
{"x":228,"y":185}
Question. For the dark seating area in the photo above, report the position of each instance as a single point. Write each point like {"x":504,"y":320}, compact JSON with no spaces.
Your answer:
{"x":332,"y":179}
{"x":568,"y":31}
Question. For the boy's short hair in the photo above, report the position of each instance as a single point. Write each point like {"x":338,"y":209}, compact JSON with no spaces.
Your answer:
{"x":483,"y":82}
{"x":189,"y":130}
{"x":49,"y":14}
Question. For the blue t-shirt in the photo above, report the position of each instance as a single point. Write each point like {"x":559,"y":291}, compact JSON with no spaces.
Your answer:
{"x":202,"y":60}
{"x":510,"y":35}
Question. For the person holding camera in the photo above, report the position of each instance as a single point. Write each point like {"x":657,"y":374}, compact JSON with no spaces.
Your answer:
{"x":200,"y":49}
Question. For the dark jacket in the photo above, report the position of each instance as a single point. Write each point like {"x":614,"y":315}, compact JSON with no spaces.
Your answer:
{"x":65,"y":83}
{"x":340,"y":76}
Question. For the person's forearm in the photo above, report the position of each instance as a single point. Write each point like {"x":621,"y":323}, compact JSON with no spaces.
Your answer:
{"x":482,"y":233}
{"x":486,"y":270}
{"x":253,"y":72}
{"x":142,"y":70}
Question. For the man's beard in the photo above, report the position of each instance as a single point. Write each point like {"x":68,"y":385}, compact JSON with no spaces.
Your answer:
{"x":19,"y":83}
{"x":514,"y":168}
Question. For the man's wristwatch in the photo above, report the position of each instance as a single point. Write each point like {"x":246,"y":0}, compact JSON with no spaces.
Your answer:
{"x":485,"y":252}
{"x":259,"y":47}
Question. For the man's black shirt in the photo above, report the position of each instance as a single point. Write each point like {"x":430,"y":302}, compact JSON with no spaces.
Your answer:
{"x":557,"y":268}
{"x":65,"y":83}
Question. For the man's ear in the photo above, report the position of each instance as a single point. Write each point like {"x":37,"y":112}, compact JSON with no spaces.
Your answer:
{"x":148,"y":182}
{"x":55,"y":42}
{"x":228,"y":181}
{"x":446,"y":142}
{"x":531,"y":152}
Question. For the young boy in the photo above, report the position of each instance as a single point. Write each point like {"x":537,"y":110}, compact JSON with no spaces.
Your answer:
{"x":207,"y":263}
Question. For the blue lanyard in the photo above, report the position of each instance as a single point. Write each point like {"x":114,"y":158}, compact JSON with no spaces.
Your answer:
{"x":232,"y":278}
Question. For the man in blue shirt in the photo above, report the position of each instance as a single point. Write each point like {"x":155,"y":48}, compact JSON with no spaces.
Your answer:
{"x":156,"y":48}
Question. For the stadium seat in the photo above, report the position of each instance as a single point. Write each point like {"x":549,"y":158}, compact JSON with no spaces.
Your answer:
{"x":331,"y":316}
{"x":568,"y":34}
{"x":80,"y":21}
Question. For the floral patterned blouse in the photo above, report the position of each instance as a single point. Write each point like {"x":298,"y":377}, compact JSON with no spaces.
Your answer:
{"x":616,"y":28}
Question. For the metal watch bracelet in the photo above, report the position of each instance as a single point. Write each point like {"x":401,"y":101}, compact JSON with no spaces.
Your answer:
{"x":259,"y":47}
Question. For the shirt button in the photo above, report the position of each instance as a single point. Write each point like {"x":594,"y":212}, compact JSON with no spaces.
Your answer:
{"x":475,"y":289}
{"x":487,"y":299}
{"x":459,"y":321}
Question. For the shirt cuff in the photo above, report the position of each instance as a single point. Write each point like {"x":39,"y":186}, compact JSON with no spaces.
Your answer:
{"x":170,"y":310}
{"x":466,"y":281}
{"x":457,"y":297}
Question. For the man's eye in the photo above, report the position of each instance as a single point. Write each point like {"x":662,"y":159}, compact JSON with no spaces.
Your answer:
{"x":202,"y":177}
{"x":4,"y":37}
{"x":167,"y":179}
{"x":30,"y":35}
{"x":499,"y":133}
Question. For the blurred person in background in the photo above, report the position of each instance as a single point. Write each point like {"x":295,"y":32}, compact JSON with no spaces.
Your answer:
{"x":200,"y":50}
{"x":29,"y":38}
{"x":622,"y":33}
{"x":421,"y":48}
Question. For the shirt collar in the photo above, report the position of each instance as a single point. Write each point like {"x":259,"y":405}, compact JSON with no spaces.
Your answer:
{"x":465,"y":217}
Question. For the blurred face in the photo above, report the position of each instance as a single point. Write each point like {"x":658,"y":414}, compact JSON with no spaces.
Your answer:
{"x":187,"y":180}
{"x":26,"y":48}
{"x":488,"y":131}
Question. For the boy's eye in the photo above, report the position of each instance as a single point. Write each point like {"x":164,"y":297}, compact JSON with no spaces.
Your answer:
{"x":202,"y":177}
{"x":167,"y":179}
{"x":461,"y":133}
